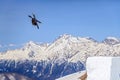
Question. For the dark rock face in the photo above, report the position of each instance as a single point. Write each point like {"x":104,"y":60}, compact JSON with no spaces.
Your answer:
{"x":35,"y":70}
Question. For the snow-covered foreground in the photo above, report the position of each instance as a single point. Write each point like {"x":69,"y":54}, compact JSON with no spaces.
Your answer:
{"x":103,"y":68}
{"x":98,"y":68}
{"x":74,"y":76}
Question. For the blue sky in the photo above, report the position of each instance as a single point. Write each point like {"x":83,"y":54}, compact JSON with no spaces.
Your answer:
{"x":84,"y":18}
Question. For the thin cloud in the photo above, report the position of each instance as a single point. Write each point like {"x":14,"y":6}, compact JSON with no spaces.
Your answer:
{"x":11,"y":45}
{"x":0,"y":46}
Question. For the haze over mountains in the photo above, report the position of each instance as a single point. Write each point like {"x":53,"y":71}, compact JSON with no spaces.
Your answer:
{"x":66,"y":55}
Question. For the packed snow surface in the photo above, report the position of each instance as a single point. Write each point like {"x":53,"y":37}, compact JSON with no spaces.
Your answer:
{"x":103,"y":68}
{"x":74,"y":76}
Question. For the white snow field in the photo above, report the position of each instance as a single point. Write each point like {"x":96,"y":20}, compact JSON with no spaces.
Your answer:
{"x":74,"y":76}
{"x":103,"y":68}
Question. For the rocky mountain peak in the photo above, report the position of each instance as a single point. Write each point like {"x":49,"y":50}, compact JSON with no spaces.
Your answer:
{"x":111,"y":40}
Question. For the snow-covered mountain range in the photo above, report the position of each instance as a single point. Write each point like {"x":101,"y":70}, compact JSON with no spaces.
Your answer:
{"x":67,"y":54}
{"x":66,"y":47}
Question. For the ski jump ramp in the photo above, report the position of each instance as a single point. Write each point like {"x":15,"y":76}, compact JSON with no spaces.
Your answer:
{"x":103,"y":68}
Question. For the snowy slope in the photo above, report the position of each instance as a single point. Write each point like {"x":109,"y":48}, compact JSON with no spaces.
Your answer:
{"x":108,"y":66}
{"x":74,"y":76}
